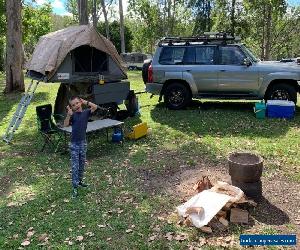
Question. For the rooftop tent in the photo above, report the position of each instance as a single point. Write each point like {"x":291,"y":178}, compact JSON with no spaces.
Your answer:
{"x":75,"y":54}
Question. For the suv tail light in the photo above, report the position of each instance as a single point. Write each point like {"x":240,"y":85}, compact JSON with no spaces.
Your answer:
{"x":150,"y":73}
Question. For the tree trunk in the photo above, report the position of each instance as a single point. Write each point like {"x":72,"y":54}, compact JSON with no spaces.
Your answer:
{"x":173,"y":18}
{"x":94,"y":13}
{"x":232,"y":17}
{"x":169,"y":17}
{"x":268,"y":32}
{"x":106,"y":19}
{"x":83,"y":12}
{"x":263,"y":40}
{"x":14,"y":48}
{"x":122,"y":27}
{"x":208,"y":16}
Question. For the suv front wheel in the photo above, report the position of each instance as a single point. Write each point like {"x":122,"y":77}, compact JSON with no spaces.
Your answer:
{"x":282,"y":92}
{"x":177,"y":96}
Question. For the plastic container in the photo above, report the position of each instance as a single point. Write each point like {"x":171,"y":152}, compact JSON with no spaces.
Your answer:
{"x":260,"y":110}
{"x":280,"y":109}
{"x":138,"y":131}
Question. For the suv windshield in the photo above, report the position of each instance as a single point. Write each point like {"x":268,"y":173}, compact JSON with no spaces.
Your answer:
{"x":249,"y":53}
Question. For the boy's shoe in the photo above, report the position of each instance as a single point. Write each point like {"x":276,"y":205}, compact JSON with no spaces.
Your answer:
{"x":74,"y":192}
{"x":82,"y":184}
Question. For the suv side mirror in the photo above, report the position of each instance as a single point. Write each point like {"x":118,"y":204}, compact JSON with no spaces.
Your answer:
{"x":247,"y":62}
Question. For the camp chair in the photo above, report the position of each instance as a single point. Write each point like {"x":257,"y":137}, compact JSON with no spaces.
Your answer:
{"x":47,"y":127}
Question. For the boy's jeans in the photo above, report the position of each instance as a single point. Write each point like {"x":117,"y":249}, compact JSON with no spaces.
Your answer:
{"x":78,"y":156}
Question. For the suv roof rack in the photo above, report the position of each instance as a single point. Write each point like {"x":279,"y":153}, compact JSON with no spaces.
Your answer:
{"x":207,"y":37}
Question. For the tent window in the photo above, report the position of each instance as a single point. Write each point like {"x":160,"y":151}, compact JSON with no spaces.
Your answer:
{"x":89,"y":59}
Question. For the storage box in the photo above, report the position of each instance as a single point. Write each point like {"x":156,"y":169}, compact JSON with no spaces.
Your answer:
{"x":280,"y":109}
{"x":260,"y":110}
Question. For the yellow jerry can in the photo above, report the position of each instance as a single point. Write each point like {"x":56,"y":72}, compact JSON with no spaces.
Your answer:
{"x":138,"y":131}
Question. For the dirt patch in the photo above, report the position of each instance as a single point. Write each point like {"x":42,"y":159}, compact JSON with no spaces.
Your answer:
{"x":4,"y":185}
{"x":279,"y":209}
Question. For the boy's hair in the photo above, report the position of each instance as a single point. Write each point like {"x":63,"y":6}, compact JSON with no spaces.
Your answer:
{"x":74,"y":97}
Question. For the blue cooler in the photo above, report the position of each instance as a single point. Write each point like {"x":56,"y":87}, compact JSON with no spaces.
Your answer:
{"x":280,"y":109}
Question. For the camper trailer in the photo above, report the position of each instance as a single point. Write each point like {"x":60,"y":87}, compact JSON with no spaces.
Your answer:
{"x":84,"y":62}
{"x":135,"y":60}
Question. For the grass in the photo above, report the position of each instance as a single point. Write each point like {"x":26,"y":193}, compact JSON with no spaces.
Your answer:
{"x":117,"y":212}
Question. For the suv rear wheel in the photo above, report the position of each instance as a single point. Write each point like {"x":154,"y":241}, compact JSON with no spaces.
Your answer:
{"x":177,"y":96}
{"x":282,"y":92}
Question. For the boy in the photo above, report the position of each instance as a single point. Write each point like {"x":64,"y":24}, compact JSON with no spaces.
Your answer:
{"x":78,"y":118}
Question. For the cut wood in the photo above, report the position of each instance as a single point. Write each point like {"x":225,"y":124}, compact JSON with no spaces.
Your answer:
{"x":222,"y":213}
{"x":239,"y":215}
{"x":194,"y":210}
{"x":224,"y":221}
{"x":206,"y":229}
{"x":203,"y":184}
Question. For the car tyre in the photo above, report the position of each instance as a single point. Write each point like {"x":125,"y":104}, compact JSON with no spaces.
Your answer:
{"x":282,"y":92}
{"x":177,"y":96}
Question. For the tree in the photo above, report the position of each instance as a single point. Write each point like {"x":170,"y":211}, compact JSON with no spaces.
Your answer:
{"x":36,"y":21}
{"x":265,"y":15}
{"x":14,"y":48}
{"x":114,"y":28}
{"x":122,"y":37}
{"x":2,"y":34}
{"x":83,"y":12}
{"x":202,"y":13}
{"x":105,"y":19}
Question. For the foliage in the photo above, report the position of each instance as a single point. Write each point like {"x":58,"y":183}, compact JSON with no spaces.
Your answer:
{"x":37,"y":22}
{"x":60,"y":22}
{"x":114,"y":32}
{"x":151,"y":20}
{"x":202,"y":15}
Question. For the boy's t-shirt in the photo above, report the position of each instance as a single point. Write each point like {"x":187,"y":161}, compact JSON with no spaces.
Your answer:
{"x":79,"y":122}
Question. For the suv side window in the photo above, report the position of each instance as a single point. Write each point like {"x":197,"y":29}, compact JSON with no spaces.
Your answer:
{"x":205,"y":55}
{"x":231,"y":55}
{"x":171,"y":55}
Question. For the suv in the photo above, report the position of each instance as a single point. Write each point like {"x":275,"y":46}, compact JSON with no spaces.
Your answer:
{"x":216,"y":66}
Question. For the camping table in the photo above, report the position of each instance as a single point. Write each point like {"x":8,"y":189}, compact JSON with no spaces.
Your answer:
{"x":95,"y":126}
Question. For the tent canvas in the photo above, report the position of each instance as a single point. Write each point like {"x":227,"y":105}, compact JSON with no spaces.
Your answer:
{"x":75,"y":54}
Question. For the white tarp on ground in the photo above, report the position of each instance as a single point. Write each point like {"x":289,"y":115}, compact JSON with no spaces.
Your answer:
{"x":52,"y":48}
{"x":211,"y":202}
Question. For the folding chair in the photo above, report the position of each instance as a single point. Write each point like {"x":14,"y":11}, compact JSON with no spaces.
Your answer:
{"x":47,"y":127}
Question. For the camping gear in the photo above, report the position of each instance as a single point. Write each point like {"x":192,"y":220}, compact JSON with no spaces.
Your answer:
{"x":245,"y":170}
{"x":117,"y":135}
{"x":84,"y":62}
{"x":75,"y":54}
{"x":20,"y":112}
{"x":47,"y":128}
{"x":260,"y":110}
{"x":280,"y":109}
{"x":138,"y":131}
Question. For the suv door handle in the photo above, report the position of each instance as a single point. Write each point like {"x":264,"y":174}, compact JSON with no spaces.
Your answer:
{"x":188,"y":70}
{"x":223,"y":70}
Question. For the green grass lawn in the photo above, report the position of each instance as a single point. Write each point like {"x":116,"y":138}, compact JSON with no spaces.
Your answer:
{"x":117,"y":212}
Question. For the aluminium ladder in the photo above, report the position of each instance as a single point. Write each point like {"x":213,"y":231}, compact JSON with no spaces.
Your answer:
{"x":20,"y":112}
